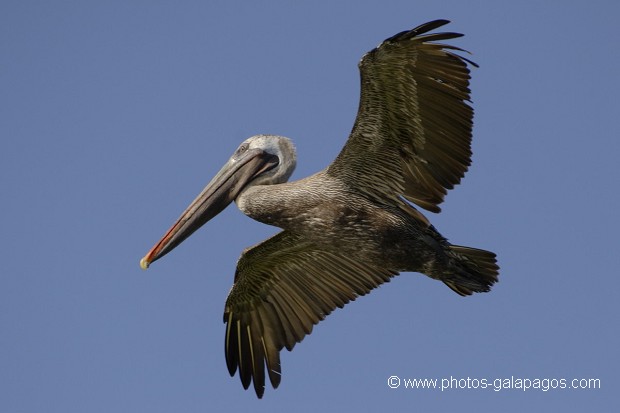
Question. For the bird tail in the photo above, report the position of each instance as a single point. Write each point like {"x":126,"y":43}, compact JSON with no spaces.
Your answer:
{"x":476,"y":270}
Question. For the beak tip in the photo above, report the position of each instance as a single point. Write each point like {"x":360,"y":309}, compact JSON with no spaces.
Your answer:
{"x":144,"y":263}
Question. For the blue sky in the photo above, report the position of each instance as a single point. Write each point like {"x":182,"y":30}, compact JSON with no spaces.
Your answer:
{"x":114,"y":115}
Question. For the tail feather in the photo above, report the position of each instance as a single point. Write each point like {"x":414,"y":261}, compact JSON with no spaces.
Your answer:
{"x":477,"y":270}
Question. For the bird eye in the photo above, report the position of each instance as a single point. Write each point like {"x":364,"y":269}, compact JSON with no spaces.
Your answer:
{"x":242,"y":148}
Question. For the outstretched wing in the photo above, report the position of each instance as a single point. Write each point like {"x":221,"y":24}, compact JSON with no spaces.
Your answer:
{"x":412,"y":135}
{"x":283,"y":287}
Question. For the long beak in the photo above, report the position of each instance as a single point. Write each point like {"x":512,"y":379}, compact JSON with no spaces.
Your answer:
{"x":240,"y":170}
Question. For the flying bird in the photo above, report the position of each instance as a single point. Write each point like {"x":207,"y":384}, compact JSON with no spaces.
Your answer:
{"x":352,"y":226}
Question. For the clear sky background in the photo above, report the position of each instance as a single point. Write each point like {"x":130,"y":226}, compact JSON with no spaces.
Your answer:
{"x":114,"y":115}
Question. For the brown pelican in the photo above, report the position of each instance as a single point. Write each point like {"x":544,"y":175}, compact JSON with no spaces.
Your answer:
{"x":352,"y":226}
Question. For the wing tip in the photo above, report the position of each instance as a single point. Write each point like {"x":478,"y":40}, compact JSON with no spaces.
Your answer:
{"x":421,"y":29}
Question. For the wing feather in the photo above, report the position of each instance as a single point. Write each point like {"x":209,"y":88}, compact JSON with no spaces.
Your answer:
{"x":412,"y":134}
{"x":283,"y":287}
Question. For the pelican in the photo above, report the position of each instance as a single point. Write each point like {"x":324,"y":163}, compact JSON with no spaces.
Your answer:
{"x":352,"y":226}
